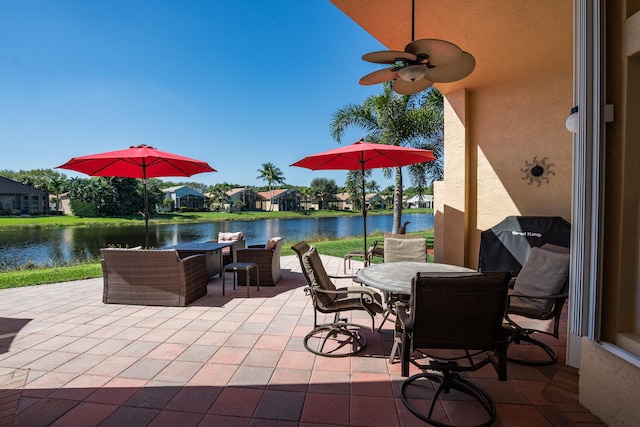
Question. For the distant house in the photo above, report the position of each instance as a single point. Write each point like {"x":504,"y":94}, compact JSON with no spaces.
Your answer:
{"x":331,"y":201}
{"x":283,"y":200}
{"x":375,"y":201}
{"x":424,"y":201}
{"x":241,"y":199}
{"x":20,"y":199}
{"x":64,"y":203}
{"x":344,"y":201}
{"x":185,"y":197}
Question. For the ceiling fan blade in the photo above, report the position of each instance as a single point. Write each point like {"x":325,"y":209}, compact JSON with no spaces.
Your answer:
{"x":440,"y":52}
{"x":404,"y":87}
{"x":379,"y":76}
{"x":388,"y":56}
{"x":454,"y":71}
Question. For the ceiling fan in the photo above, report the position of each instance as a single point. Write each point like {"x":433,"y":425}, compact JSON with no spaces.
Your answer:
{"x":422,"y":63}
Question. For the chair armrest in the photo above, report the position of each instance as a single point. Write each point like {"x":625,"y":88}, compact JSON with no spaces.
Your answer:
{"x":341,"y":277}
{"x":554,"y":296}
{"x":188,"y":259}
{"x":403,"y":317}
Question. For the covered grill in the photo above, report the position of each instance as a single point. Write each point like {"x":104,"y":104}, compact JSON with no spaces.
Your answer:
{"x":506,"y":246}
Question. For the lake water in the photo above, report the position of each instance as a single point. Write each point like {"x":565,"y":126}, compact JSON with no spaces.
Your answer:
{"x":54,"y":246}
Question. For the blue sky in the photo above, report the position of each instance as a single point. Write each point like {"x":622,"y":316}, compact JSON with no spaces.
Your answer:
{"x":233,"y":82}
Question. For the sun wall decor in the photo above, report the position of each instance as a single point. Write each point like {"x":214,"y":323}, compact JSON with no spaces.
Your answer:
{"x":537,"y":171}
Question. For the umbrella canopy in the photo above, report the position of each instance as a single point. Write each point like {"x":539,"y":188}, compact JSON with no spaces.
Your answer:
{"x":363,"y":155}
{"x":140,"y":161}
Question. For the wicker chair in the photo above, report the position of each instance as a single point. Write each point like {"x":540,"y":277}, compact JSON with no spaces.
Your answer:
{"x":229,"y":254}
{"x":268,"y":259}
{"x":152,"y":277}
{"x":454,"y":325}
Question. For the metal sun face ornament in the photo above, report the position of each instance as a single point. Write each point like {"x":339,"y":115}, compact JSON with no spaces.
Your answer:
{"x":422,"y":63}
{"x":537,"y":171}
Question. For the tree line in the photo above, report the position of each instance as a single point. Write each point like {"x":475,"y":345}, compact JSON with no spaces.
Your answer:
{"x":113,"y":196}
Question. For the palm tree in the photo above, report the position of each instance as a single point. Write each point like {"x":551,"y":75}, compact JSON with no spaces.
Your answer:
{"x":57,"y":185}
{"x":413,"y":120}
{"x":322,"y":189}
{"x":219,"y":194}
{"x":273,"y":175}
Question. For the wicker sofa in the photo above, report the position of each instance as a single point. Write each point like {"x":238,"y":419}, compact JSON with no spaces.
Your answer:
{"x":268,"y":259}
{"x":152,"y":277}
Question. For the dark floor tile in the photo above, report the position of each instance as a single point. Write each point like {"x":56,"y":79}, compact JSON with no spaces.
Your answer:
{"x":43,"y":413}
{"x":280,"y":405}
{"x":128,"y":416}
{"x":85,"y":414}
{"x":152,"y":397}
{"x":213,"y":420}
{"x":194,"y":399}
{"x":175,"y":418}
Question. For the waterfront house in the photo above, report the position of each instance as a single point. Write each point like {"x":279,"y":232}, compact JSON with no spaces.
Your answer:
{"x":185,"y":197}
{"x":241,"y":199}
{"x":20,"y":199}
{"x":420,"y":201}
{"x":283,"y":200}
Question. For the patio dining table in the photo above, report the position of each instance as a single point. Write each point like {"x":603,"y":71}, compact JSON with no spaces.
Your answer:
{"x":395,"y":277}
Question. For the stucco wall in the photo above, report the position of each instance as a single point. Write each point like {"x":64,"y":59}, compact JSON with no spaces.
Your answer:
{"x":609,"y":386}
{"x":504,"y":127}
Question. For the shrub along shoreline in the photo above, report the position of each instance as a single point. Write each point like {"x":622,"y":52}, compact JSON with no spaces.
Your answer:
{"x":178,"y":217}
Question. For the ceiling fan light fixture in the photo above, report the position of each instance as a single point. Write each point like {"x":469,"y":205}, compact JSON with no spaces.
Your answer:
{"x":412,"y":72}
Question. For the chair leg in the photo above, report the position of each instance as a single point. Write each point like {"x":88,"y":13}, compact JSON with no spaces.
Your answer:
{"x":518,"y":336}
{"x":341,"y":335}
{"x":404,"y":355}
{"x":449,"y":381}
{"x":384,"y":319}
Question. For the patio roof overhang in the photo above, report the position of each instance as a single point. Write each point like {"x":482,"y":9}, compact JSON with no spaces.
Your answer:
{"x":510,"y":40}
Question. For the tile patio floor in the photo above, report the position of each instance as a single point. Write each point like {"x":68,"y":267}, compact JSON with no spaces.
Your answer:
{"x":67,"y":359}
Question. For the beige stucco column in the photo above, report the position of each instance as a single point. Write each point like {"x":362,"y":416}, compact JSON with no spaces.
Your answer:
{"x":451,"y":216}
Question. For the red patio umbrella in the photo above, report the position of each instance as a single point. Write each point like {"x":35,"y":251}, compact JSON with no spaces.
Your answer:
{"x":141,"y":161}
{"x":363,"y":155}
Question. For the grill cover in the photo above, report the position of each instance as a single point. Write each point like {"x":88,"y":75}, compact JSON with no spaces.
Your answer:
{"x":506,"y":246}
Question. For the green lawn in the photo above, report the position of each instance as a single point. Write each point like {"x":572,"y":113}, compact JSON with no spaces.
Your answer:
{"x":179,"y":217}
{"x":40,"y":276}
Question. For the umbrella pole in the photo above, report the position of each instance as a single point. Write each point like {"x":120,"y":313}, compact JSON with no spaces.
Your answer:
{"x":146,"y":209}
{"x":364,"y":211}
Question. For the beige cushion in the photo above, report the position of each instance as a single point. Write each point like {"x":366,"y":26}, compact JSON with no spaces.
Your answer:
{"x":229,"y":237}
{"x":318,"y":276}
{"x":405,"y":249}
{"x":352,"y":298}
{"x":544,"y":274}
{"x":271,"y":243}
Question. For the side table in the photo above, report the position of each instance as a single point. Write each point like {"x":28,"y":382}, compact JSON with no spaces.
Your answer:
{"x":247,"y":267}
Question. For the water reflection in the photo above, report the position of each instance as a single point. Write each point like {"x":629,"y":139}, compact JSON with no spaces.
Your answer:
{"x":54,"y":246}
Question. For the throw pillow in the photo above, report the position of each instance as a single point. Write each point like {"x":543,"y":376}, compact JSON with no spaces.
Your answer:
{"x":272,"y":243}
{"x":544,"y":273}
{"x":229,"y":237}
